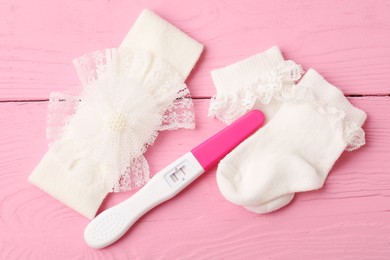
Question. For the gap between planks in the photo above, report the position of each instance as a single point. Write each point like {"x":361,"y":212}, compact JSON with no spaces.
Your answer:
{"x":196,"y":98}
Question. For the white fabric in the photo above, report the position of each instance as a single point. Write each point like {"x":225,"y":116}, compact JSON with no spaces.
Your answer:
{"x":155,"y":35}
{"x":295,"y":151}
{"x":260,"y":82}
{"x":98,"y":138}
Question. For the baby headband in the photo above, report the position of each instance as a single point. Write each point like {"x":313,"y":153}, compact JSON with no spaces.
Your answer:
{"x":129,"y":94}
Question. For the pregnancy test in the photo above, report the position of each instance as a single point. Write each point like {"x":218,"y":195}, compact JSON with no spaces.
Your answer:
{"x":114,"y":222}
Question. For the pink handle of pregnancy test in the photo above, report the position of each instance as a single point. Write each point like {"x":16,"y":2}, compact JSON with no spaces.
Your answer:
{"x":211,"y":151}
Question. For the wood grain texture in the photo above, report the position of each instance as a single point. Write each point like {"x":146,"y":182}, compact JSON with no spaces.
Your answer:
{"x":348,"y":219}
{"x":346,"y":41}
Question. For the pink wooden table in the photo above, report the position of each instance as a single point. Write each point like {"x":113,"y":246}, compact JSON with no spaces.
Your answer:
{"x":346,"y":41}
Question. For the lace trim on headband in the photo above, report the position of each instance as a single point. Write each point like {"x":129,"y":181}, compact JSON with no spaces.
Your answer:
{"x":126,"y":100}
{"x":180,"y":113}
{"x":274,"y":84}
{"x":135,"y":175}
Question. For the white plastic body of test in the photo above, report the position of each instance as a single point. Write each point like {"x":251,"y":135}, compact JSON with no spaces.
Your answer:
{"x":114,"y":222}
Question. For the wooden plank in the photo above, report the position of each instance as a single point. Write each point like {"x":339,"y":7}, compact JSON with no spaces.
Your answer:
{"x":349,"y":218}
{"x":346,"y":41}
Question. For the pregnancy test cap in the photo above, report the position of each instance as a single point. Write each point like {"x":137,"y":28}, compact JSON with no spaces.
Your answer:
{"x":211,"y":151}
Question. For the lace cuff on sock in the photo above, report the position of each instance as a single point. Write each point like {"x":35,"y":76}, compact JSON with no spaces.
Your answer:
{"x":330,"y":101}
{"x":262,"y":77}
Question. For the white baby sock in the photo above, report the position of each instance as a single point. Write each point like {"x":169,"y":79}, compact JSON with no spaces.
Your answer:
{"x":260,"y":82}
{"x":129,"y":94}
{"x":295,"y":151}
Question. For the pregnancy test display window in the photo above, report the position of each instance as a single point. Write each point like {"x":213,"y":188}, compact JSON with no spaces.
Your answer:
{"x":178,"y":174}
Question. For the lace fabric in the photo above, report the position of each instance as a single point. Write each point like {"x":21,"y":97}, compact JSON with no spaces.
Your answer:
{"x":180,"y":113}
{"x":61,"y":107}
{"x":127,"y":98}
{"x":353,"y":135}
{"x":277,"y":83}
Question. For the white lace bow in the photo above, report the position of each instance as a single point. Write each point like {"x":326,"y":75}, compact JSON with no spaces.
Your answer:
{"x":127,"y":98}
